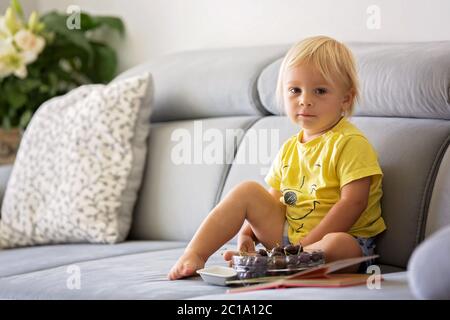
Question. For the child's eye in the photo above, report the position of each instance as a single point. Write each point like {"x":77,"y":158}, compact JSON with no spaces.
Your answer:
{"x":295,"y":90}
{"x":321,"y":91}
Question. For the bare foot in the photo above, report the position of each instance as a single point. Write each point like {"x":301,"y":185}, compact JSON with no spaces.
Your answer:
{"x":186,"y":265}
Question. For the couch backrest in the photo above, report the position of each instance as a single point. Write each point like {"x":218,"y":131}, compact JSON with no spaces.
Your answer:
{"x":228,"y":95}
{"x":408,"y":152}
{"x":409,"y":80}
{"x":209,"y":83}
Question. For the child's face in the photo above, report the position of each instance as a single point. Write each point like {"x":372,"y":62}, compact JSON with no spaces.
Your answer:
{"x":311,"y":101}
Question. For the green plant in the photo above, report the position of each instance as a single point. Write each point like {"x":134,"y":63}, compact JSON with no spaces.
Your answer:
{"x":43,"y":58}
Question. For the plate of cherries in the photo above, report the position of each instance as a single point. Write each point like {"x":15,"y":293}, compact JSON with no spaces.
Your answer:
{"x":275,"y":262}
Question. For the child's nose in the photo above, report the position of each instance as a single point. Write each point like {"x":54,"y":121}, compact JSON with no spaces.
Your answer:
{"x":305,"y":100}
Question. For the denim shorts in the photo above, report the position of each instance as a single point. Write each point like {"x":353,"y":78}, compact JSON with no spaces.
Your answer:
{"x":367,"y":246}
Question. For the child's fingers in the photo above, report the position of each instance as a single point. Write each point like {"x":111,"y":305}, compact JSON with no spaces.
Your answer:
{"x":227,"y":255}
{"x":250,"y":247}
{"x":243,"y":247}
{"x":247,"y":247}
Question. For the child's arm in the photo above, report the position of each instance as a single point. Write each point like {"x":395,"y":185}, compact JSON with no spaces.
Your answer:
{"x":344,"y":213}
{"x":246,"y":236}
{"x":275,"y":193}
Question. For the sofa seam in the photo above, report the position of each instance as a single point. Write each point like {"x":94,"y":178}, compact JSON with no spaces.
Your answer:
{"x":428,"y":190}
{"x":227,"y":169}
{"x":252,"y":92}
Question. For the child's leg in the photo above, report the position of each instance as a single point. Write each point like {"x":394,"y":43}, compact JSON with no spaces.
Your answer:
{"x":337,"y":246}
{"x":249,"y":200}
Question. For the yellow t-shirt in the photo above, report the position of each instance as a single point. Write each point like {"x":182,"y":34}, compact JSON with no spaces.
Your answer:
{"x":310,"y":176}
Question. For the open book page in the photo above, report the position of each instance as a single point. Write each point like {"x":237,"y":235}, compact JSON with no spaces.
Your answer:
{"x":329,"y":267}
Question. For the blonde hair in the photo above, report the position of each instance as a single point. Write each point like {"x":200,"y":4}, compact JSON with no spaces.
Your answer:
{"x":333,"y":59}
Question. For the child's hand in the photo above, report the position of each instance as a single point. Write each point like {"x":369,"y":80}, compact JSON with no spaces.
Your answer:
{"x":245,"y":243}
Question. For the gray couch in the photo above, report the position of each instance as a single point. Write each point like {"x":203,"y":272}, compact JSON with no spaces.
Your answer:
{"x":404,"y":112}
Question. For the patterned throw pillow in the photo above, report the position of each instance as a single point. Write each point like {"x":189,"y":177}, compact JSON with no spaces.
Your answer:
{"x":79,"y":166}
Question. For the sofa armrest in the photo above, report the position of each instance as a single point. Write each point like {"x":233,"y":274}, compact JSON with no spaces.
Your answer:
{"x":429,"y":267}
{"x":5,"y":172}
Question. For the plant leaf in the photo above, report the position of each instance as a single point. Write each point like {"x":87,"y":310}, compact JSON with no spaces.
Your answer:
{"x":14,"y":96}
{"x":86,"y":22}
{"x":28,"y":84}
{"x":105,"y":63}
{"x":109,"y":22}
{"x":57,"y":22}
{"x":25,"y":119}
{"x":15,"y":4}
{"x":70,"y":58}
{"x":6,"y":123}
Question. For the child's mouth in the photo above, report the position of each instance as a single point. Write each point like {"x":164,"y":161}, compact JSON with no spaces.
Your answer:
{"x":305,"y":115}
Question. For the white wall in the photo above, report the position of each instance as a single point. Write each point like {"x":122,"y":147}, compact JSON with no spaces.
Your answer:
{"x":27,"y":5}
{"x":157,"y":27}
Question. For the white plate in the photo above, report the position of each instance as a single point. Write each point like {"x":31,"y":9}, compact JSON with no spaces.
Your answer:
{"x":217,"y":275}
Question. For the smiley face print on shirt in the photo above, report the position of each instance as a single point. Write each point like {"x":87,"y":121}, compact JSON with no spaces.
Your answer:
{"x":300,"y":196}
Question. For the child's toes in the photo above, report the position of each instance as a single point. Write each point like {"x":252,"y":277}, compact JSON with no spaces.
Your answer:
{"x":173,"y":273}
{"x":181,"y":271}
{"x":187,"y":270}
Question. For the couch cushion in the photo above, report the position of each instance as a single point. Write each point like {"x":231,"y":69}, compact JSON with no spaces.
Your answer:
{"x":409,"y":151}
{"x":31,"y":259}
{"x":183,"y":175}
{"x":397,"y":80}
{"x":5,"y":172}
{"x":131,"y":276}
{"x":208,"y":83}
{"x":393,"y":287}
{"x":144,"y":276}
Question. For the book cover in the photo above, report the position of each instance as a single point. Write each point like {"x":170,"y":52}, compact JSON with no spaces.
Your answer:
{"x":319,"y":276}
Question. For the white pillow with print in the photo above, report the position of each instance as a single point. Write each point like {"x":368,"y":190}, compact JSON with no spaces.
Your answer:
{"x":79,"y":166}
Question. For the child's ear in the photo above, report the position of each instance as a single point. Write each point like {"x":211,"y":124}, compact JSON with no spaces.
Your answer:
{"x":348,"y":98}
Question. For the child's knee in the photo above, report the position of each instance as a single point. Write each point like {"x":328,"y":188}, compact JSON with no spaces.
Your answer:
{"x":249,"y":188}
{"x":338,"y":240}
{"x":338,"y":237}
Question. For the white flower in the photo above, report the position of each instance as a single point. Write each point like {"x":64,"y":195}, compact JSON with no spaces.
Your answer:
{"x":6,"y":50}
{"x":28,"y":41}
{"x":21,"y":72}
{"x":11,"y":21}
{"x":19,"y":46}
{"x":11,"y":61}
